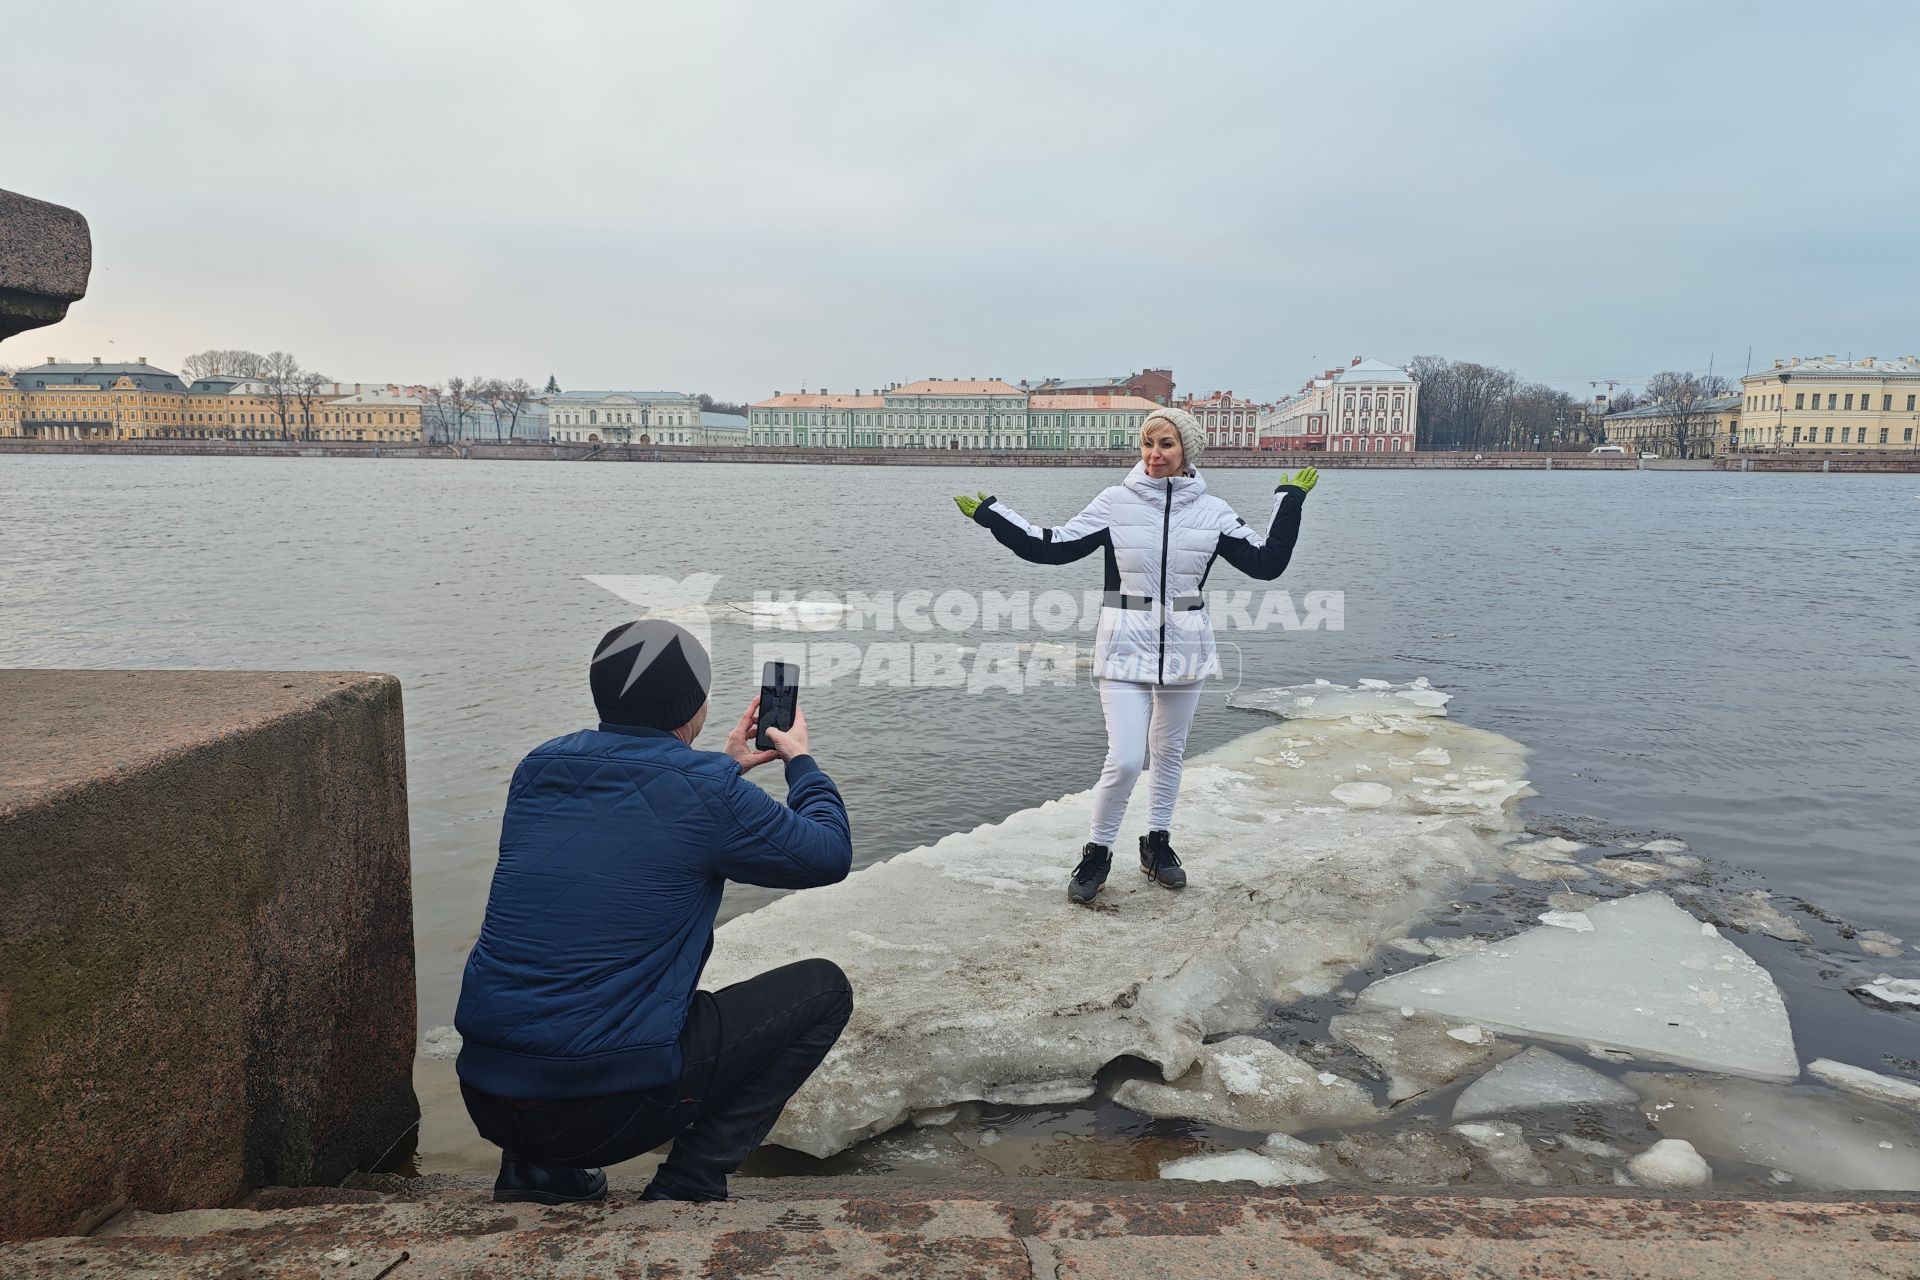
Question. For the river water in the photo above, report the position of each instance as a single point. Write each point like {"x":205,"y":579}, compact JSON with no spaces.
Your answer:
{"x":1725,"y":658}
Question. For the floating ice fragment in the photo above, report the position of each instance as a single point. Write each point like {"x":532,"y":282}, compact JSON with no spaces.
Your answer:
{"x":1628,"y":871}
{"x":1242,"y":1166}
{"x":1878,"y":942}
{"x":1325,"y":701}
{"x":1589,"y":1147}
{"x":1574,"y":920}
{"x":1624,"y":983}
{"x":1433,"y":755}
{"x":1891,"y":991}
{"x":1466,"y":1035}
{"x":1868,"y":1084}
{"x":1535,"y":1080}
{"x":1376,"y":684}
{"x":1506,"y":1152}
{"x":1663,"y":846}
{"x":1418,"y":1052}
{"x":1670,"y":1164}
{"x":1262,"y":1094}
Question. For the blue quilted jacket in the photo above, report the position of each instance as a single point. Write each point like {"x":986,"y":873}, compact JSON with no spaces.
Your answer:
{"x":614,"y":848}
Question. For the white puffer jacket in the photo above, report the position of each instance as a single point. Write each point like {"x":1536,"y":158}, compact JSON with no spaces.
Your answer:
{"x":1161,"y":538}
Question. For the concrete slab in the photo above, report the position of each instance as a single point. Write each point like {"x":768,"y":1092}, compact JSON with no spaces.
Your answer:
{"x":1042,"y":1228}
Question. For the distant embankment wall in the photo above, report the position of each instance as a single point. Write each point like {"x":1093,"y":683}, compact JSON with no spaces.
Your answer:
{"x":1216,"y":460}
{"x":206,"y":937}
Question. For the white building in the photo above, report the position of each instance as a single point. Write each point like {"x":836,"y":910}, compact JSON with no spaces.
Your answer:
{"x":634,"y":417}
{"x":949,"y":414}
{"x":1368,"y":407}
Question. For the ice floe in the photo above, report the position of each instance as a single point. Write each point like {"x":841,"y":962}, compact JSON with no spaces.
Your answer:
{"x":1647,"y":978}
{"x":1247,"y":1083}
{"x":1868,"y":1084}
{"x":1419,"y":1053}
{"x":1408,"y":1158}
{"x":1323,"y":700}
{"x":1827,"y":1141}
{"x":1895,"y":992}
{"x":974,"y":978}
{"x":1535,"y":1080}
{"x":1244,"y":1166}
{"x":1505,"y":1149}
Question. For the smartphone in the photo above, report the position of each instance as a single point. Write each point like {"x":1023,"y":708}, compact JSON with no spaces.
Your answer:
{"x":779,"y":700}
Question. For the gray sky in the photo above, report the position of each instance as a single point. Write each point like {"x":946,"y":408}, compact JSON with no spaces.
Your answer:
{"x":739,"y":197}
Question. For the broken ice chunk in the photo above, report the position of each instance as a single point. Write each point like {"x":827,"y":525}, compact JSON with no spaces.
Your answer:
{"x":1248,"y":1083}
{"x":1324,"y":701}
{"x":1663,"y":846}
{"x":1433,"y":755}
{"x":1574,"y":920}
{"x":1242,"y":1166}
{"x":1628,"y":871}
{"x":1868,"y":1084}
{"x":1536,"y":1080}
{"x":1506,"y":1152}
{"x":1878,"y":942}
{"x":1753,"y":912}
{"x":1891,"y":991}
{"x":1466,"y":1035}
{"x":1626,"y":983}
{"x":1418,"y":1052}
{"x":1363,"y":795}
{"x":1670,"y":1164}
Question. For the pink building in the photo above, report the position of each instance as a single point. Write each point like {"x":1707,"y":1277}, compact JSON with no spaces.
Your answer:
{"x":1230,"y":422}
{"x":1368,"y":407}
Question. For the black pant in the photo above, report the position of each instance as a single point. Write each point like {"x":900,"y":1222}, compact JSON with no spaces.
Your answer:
{"x":747,"y":1049}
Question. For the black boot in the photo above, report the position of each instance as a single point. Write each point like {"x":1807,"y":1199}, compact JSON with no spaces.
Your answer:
{"x":1159,"y":862}
{"x":1095,"y":861}
{"x":523,"y":1180}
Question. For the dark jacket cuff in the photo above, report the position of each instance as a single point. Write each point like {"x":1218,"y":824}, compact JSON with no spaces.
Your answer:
{"x":980,"y":512}
{"x":801,"y":766}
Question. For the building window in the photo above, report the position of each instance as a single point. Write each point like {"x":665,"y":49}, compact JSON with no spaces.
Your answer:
{"x":1799,"y":399}
{"x":1832,"y":396}
{"x":1829,"y":435}
{"x":1849,"y":401}
{"x":1883,"y":435}
{"x":1843,"y":434}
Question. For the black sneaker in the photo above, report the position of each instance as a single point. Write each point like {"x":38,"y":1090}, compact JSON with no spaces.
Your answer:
{"x":1159,"y":862}
{"x":1095,"y":861}
{"x":522,"y":1180}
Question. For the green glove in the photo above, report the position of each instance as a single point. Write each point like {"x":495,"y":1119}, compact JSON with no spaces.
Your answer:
{"x":969,"y":505}
{"x":1304,"y":479}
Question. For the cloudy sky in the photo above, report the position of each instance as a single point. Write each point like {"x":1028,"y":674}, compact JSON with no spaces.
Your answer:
{"x":740,"y":198}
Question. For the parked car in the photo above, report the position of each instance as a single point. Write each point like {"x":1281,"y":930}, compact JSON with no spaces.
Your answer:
{"x":1608,"y":448}
{"x":1649,"y":455}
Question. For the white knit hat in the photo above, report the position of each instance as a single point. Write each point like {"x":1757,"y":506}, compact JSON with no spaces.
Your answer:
{"x":1193,"y":441}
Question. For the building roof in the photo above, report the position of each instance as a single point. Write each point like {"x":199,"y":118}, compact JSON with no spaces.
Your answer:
{"x":598,"y":396}
{"x":1871,"y":366}
{"x":1718,"y":404}
{"x":55,"y":374}
{"x":1084,"y":384}
{"x":380,"y":399}
{"x":794,"y":401}
{"x":724,"y":421}
{"x":1131,"y":404}
{"x":957,"y":387}
{"x":1373,"y":371}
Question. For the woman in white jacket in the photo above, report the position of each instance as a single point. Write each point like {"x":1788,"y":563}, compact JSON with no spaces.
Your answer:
{"x":1161,"y":532}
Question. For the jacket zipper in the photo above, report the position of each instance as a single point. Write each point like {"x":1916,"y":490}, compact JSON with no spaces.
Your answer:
{"x":1166,"y":527}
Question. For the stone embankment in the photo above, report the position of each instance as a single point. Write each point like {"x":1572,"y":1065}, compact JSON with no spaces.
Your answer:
{"x":206,"y":938}
{"x":851,"y":1229}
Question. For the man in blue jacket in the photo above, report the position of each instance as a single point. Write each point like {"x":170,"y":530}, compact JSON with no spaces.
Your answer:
{"x":585,"y":1040}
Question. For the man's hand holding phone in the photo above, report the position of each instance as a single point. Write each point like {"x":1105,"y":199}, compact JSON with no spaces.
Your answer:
{"x":788,"y":743}
{"x":740,"y":743}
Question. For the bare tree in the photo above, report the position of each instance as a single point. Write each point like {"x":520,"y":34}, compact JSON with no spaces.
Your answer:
{"x":460,"y":400}
{"x":1685,"y":401}
{"x":309,"y":386}
{"x":516,"y":396}
{"x":219,"y":362}
{"x":278,"y":377}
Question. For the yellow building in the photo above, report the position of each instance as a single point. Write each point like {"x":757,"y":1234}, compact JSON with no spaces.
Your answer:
{"x":1824,"y":402}
{"x":1698,"y":430}
{"x":96,"y":401}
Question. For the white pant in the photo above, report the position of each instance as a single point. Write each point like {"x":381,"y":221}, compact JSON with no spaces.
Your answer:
{"x":1146,"y":730}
